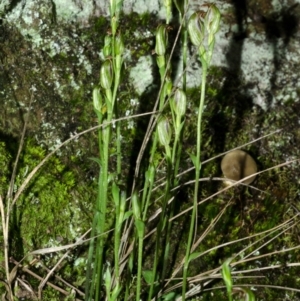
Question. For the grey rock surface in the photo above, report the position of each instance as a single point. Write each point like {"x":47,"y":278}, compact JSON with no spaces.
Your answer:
{"x":255,"y":54}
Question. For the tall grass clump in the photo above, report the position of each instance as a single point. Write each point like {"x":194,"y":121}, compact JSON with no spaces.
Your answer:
{"x":165,"y":129}
{"x":137,"y":260}
{"x":104,"y":100}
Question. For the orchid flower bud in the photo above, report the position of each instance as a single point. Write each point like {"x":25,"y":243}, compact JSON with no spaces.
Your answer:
{"x":112,"y":7}
{"x":97,"y":99}
{"x":212,"y":19}
{"x":179,"y":102}
{"x":161,"y":40}
{"x":119,"y":45}
{"x":136,"y":206}
{"x":106,"y":74}
{"x":161,"y":61}
{"x":114,"y":25}
{"x":196,"y":29}
{"x":164,"y":131}
{"x":202,"y":28}
{"x":168,"y":6}
{"x":119,"y":49}
{"x":167,"y":87}
{"x":107,"y":46}
{"x":115,"y":7}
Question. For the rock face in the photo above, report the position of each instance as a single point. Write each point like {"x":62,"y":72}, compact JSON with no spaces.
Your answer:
{"x":258,"y":41}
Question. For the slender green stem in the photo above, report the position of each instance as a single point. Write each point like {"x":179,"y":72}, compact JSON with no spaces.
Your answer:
{"x":163,"y":219}
{"x":102,"y":206}
{"x":140,"y":262}
{"x":119,"y":157}
{"x":162,"y":224}
{"x":173,"y":166}
{"x":118,"y":126}
{"x":196,"y":187}
{"x":149,"y":181}
{"x":184,"y":40}
{"x":140,"y":231}
{"x":150,"y":176}
{"x":90,"y":285}
{"x":117,"y":240}
{"x":172,"y":179}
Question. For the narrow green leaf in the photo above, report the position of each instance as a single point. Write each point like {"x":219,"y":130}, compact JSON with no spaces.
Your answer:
{"x":148,"y":276}
{"x":107,"y":279}
{"x":97,"y":160}
{"x":115,"y":293}
{"x":169,"y":297}
{"x":140,"y":226}
{"x":194,"y":256}
{"x":116,"y":194}
{"x":226,"y":274}
{"x":127,"y":215}
{"x":194,"y":159}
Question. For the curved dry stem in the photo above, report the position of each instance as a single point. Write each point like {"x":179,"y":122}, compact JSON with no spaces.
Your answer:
{"x":234,"y":184}
{"x":153,"y":119}
{"x":215,"y":273}
{"x":198,"y":289}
